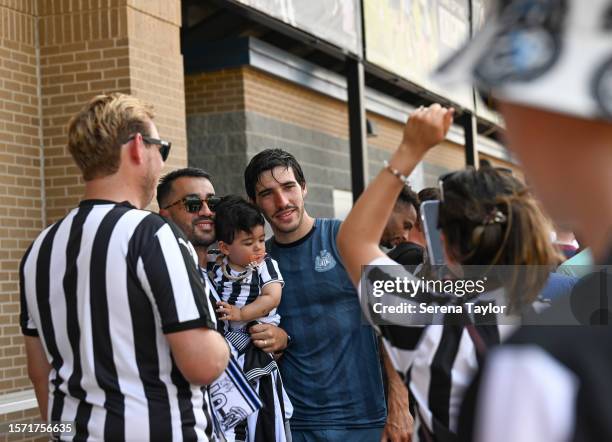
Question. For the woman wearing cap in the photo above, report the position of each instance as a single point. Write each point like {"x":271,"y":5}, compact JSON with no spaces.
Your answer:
{"x":486,"y":218}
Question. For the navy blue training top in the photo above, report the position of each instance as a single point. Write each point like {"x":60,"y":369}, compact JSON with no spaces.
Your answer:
{"x":331,"y":370}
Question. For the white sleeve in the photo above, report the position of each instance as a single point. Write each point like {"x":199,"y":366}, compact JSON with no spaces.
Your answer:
{"x":269,"y":272}
{"x":526,"y":395}
{"x":383,"y":301}
{"x":400,"y":342}
{"x":170,"y":277}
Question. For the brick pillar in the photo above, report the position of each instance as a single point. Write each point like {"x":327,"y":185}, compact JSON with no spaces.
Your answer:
{"x":156,"y":68}
{"x":54,"y":56}
{"x":92,"y":47}
{"x":83,"y":52}
{"x":20,"y":179}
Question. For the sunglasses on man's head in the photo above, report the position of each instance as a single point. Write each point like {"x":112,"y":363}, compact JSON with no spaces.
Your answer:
{"x":193,"y":203}
{"x":164,"y":146}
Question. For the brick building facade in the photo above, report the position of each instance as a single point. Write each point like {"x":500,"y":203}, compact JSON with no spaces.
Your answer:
{"x":234,"y":113}
{"x":56,"y":54}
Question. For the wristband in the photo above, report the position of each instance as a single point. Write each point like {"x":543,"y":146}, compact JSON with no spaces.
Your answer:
{"x":403,"y":178}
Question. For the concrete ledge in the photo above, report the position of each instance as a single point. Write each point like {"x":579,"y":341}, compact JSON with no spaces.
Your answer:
{"x":18,"y":401}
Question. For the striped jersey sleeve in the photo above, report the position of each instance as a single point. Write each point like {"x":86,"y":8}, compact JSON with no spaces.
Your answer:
{"x":438,"y":360}
{"x":167,"y":270}
{"x":101,"y":287}
{"x":371,"y":289}
{"x":28,"y":327}
{"x":268,"y":272}
{"x":399,"y":338}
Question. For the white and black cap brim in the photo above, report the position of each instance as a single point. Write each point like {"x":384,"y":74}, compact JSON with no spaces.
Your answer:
{"x":551,"y":54}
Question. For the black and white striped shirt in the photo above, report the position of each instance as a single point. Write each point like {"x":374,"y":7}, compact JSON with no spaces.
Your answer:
{"x":552,"y":383}
{"x":438,"y":361}
{"x":242,"y":288}
{"x":101,"y":287}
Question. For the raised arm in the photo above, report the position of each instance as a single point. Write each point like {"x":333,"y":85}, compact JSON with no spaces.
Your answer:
{"x":360,"y":233}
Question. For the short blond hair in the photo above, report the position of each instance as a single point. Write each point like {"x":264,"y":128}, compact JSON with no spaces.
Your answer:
{"x":97,"y":131}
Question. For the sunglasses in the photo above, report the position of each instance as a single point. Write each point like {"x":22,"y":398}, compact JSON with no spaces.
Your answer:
{"x":193,"y":203}
{"x":441,"y":181}
{"x":164,"y":146}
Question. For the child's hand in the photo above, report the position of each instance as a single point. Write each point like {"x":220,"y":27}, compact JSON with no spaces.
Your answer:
{"x":229,"y":312}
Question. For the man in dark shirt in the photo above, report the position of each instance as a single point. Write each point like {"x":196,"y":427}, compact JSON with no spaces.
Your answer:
{"x":331,"y":367}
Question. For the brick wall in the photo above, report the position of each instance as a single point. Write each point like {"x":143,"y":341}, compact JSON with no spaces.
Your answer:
{"x":54,"y":56}
{"x":83,"y":52}
{"x":248,"y":89}
{"x":156,"y":68}
{"x":388,"y":132}
{"x":292,"y":103}
{"x":26,"y":416}
{"x":102,"y":46}
{"x":20,"y":176}
{"x":216,"y":126}
{"x":235,"y":113}
{"x":215,"y":92}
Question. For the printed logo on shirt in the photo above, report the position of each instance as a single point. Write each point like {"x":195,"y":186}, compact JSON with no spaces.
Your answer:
{"x":324,"y":262}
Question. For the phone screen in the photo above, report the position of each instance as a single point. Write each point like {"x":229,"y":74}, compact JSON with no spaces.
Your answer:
{"x":429,"y":218}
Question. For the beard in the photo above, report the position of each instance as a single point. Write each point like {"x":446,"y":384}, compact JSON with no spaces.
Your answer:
{"x":200,"y":239}
{"x":201,"y":242}
{"x":289,"y":228}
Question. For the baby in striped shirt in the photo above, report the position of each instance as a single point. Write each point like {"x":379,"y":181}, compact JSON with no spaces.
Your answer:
{"x":249,"y":285}
{"x":247,"y":280}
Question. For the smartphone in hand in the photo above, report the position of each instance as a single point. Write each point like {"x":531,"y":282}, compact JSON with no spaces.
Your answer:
{"x":429,"y":218}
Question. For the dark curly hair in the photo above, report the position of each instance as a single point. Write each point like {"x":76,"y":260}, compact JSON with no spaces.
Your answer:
{"x":234,"y":214}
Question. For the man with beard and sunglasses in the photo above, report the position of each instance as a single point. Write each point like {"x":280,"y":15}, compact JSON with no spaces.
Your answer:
{"x":187,"y":197}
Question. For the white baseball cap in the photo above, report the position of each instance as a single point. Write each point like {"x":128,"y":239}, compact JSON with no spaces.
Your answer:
{"x":552,"y":54}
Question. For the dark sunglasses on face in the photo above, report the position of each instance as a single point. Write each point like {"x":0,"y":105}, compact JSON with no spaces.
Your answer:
{"x":164,"y":146}
{"x":193,"y":203}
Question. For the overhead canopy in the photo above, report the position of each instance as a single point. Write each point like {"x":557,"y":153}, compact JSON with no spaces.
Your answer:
{"x":336,"y":21}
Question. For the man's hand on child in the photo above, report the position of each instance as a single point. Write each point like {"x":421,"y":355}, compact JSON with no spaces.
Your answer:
{"x":228,"y":312}
{"x":268,"y":337}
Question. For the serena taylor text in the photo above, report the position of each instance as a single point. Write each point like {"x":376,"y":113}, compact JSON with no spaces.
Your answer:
{"x":423,"y":307}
